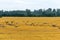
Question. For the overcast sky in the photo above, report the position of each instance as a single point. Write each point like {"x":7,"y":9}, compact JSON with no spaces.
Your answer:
{"x":28,"y":4}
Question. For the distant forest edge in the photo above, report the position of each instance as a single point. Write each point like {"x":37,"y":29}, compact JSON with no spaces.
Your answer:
{"x":28,"y":13}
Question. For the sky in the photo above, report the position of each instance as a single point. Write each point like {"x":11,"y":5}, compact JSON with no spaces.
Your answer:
{"x":28,"y":4}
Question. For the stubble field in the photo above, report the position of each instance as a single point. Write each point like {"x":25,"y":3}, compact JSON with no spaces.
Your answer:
{"x":30,"y":28}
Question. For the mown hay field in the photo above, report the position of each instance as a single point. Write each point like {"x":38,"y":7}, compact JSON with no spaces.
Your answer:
{"x":30,"y":28}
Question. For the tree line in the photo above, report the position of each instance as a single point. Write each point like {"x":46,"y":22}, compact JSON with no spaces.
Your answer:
{"x":28,"y":13}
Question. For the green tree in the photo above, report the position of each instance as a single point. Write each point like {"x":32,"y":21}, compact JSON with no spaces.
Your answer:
{"x":54,"y":12}
{"x":58,"y":12}
{"x":48,"y":12}
{"x":28,"y":12}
